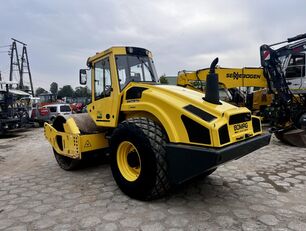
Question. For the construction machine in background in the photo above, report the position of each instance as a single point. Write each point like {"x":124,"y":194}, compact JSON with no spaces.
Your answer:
{"x":282,"y":97}
{"x":157,"y":136}
{"x":13,"y":115}
{"x":238,"y":86}
{"x":284,"y":69}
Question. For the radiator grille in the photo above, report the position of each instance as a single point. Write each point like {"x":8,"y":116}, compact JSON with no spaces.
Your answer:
{"x":240,"y":118}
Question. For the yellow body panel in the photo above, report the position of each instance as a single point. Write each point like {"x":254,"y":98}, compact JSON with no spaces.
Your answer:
{"x":166,"y":103}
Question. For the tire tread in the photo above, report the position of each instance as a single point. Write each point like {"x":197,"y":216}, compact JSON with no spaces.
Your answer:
{"x":157,"y":139}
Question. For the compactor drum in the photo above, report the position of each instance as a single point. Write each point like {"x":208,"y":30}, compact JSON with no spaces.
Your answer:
{"x":157,"y":136}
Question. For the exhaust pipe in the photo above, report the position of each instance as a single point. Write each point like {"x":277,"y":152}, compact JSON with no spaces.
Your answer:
{"x":212,"y":85}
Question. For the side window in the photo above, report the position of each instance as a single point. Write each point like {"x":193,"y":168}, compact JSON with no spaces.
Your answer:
{"x":122,"y":71}
{"x":296,"y":66}
{"x":52,"y":109}
{"x":103,"y":82}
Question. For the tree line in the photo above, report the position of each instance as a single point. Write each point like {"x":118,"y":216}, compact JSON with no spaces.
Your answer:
{"x":65,"y":91}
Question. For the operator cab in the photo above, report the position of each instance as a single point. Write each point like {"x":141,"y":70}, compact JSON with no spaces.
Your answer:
{"x":112,"y":71}
{"x":294,"y":69}
{"x":135,"y":65}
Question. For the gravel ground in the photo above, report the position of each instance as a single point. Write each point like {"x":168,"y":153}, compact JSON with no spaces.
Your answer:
{"x":262,"y":191}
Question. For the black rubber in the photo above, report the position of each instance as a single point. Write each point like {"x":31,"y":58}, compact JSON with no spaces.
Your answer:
{"x":150,"y":141}
{"x":66,"y":163}
{"x":280,"y":137}
{"x":207,"y":173}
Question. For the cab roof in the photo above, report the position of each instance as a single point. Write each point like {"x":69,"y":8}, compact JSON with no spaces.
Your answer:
{"x":119,"y":50}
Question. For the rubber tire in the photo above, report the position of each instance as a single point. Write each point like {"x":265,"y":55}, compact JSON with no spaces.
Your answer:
{"x":66,"y":163}
{"x":150,"y":141}
{"x":41,"y":123}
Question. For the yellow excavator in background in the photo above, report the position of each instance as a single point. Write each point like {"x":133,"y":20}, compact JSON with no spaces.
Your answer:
{"x":240,"y":86}
{"x":282,"y":97}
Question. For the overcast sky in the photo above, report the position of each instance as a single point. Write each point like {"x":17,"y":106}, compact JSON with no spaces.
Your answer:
{"x":62,"y":34}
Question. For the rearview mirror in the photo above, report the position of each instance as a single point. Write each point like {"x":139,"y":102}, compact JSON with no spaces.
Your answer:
{"x":83,"y":76}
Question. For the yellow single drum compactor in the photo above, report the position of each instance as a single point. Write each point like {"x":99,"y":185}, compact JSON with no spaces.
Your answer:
{"x":157,"y":136}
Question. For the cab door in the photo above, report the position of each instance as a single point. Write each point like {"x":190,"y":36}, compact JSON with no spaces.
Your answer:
{"x":105,"y":106}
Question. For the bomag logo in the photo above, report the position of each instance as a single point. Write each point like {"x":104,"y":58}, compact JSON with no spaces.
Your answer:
{"x":242,"y":126}
{"x":236,"y":75}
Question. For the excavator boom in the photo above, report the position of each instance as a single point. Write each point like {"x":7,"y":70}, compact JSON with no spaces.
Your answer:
{"x":228,"y":77}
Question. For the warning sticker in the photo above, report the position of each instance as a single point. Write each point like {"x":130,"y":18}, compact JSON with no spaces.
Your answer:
{"x":87,"y":144}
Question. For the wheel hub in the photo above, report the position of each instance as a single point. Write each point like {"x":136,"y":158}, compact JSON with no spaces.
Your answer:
{"x":128,"y":161}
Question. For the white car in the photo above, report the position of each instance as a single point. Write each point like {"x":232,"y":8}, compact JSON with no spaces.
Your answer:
{"x":58,"y":109}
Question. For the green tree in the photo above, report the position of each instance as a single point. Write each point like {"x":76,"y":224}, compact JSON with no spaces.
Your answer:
{"x":163,"y":79}
{"x":82,"y":92}
{"x":66,"y":91}
{"x":39,"y":90}
{"x":54,"y":88}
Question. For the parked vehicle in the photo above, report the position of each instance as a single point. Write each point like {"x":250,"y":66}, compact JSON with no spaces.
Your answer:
{"x":58,"y":109}
{"x":77,"y":107}
{"x":35,"y":111}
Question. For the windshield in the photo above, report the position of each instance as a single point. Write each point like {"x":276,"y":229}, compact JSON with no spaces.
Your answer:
{"x":131,"y":68}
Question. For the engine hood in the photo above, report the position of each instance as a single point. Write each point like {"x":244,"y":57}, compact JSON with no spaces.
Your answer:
{"x":183,"y":113}
{"x":183,"y":96}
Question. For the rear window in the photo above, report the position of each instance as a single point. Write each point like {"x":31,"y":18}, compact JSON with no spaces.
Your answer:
{"x":52,"y":109}
{"x":65,"y":108}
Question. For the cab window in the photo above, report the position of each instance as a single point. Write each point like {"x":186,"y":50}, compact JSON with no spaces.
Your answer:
{"x":131,"y":68}
{"x":103,"y":84}
{"x":296,"y":66}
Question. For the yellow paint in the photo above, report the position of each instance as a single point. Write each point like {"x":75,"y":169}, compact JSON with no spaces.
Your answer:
{"x":74,"y":144}
{"x":125,"y":150}
{"x":229,"y":77}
